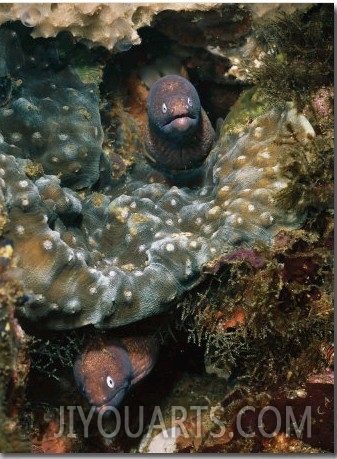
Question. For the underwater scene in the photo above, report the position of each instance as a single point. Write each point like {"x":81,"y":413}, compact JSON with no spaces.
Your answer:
{"x":166,"y":228}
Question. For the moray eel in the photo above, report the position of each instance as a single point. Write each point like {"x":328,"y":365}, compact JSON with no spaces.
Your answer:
{"x":109,"y":367}
{"x":178,"y":134}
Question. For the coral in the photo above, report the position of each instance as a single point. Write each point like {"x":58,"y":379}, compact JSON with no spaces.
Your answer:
{"x":229,"y":32}
{"x":290,"y":298}
{"x":56,"y":119}
{"x":50,"y":442}
{"x":114,"y":242}
{"x":97,"y":258}
{"x":310,"y":173}
{"x":217,"y":27}
{"x":113,"y":26}
{"x":123,"y":143}
{"x":320,"y":435}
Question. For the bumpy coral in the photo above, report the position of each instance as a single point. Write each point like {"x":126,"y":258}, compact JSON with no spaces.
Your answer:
{"x":128,"y":249}
{"x":50,"y":117}
{"x":110,"y":261}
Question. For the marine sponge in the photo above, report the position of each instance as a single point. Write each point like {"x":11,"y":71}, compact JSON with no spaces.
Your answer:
{"x":113,"y":26}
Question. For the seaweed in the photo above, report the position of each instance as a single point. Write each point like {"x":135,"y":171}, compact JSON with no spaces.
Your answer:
{"x":311,"y":176}
{"x":298,"y":55}
{"x":265,"y":326}
{"x":51,"y":354}
{"x":14,"y":361}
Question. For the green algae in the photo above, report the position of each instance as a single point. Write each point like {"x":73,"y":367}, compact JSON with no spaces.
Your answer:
{"x":311,"y":175}
{"x":251,"y":104}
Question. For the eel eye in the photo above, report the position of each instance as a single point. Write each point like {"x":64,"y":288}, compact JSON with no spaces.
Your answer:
{"x":110,"y":382}
{"x":164,"y":108}
{"x":189,"y":101}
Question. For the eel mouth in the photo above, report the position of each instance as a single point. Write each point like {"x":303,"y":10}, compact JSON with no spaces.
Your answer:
{"x":181,"y":122}
{"x":112,"y":402}
{"x":180,"y":115}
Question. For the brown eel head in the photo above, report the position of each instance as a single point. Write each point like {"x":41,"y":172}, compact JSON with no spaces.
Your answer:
{"x":173,"y":107}
{"x":103,"y":373}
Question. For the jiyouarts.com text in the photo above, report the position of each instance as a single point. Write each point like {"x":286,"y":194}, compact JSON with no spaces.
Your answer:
{"x":179,"y":417}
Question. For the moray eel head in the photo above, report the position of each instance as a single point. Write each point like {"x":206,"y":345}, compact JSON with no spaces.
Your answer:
{"x":178,"y":133}
{"x":104,"y":374}
{"x":173,"y":107}
{"x":107,"y":368}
